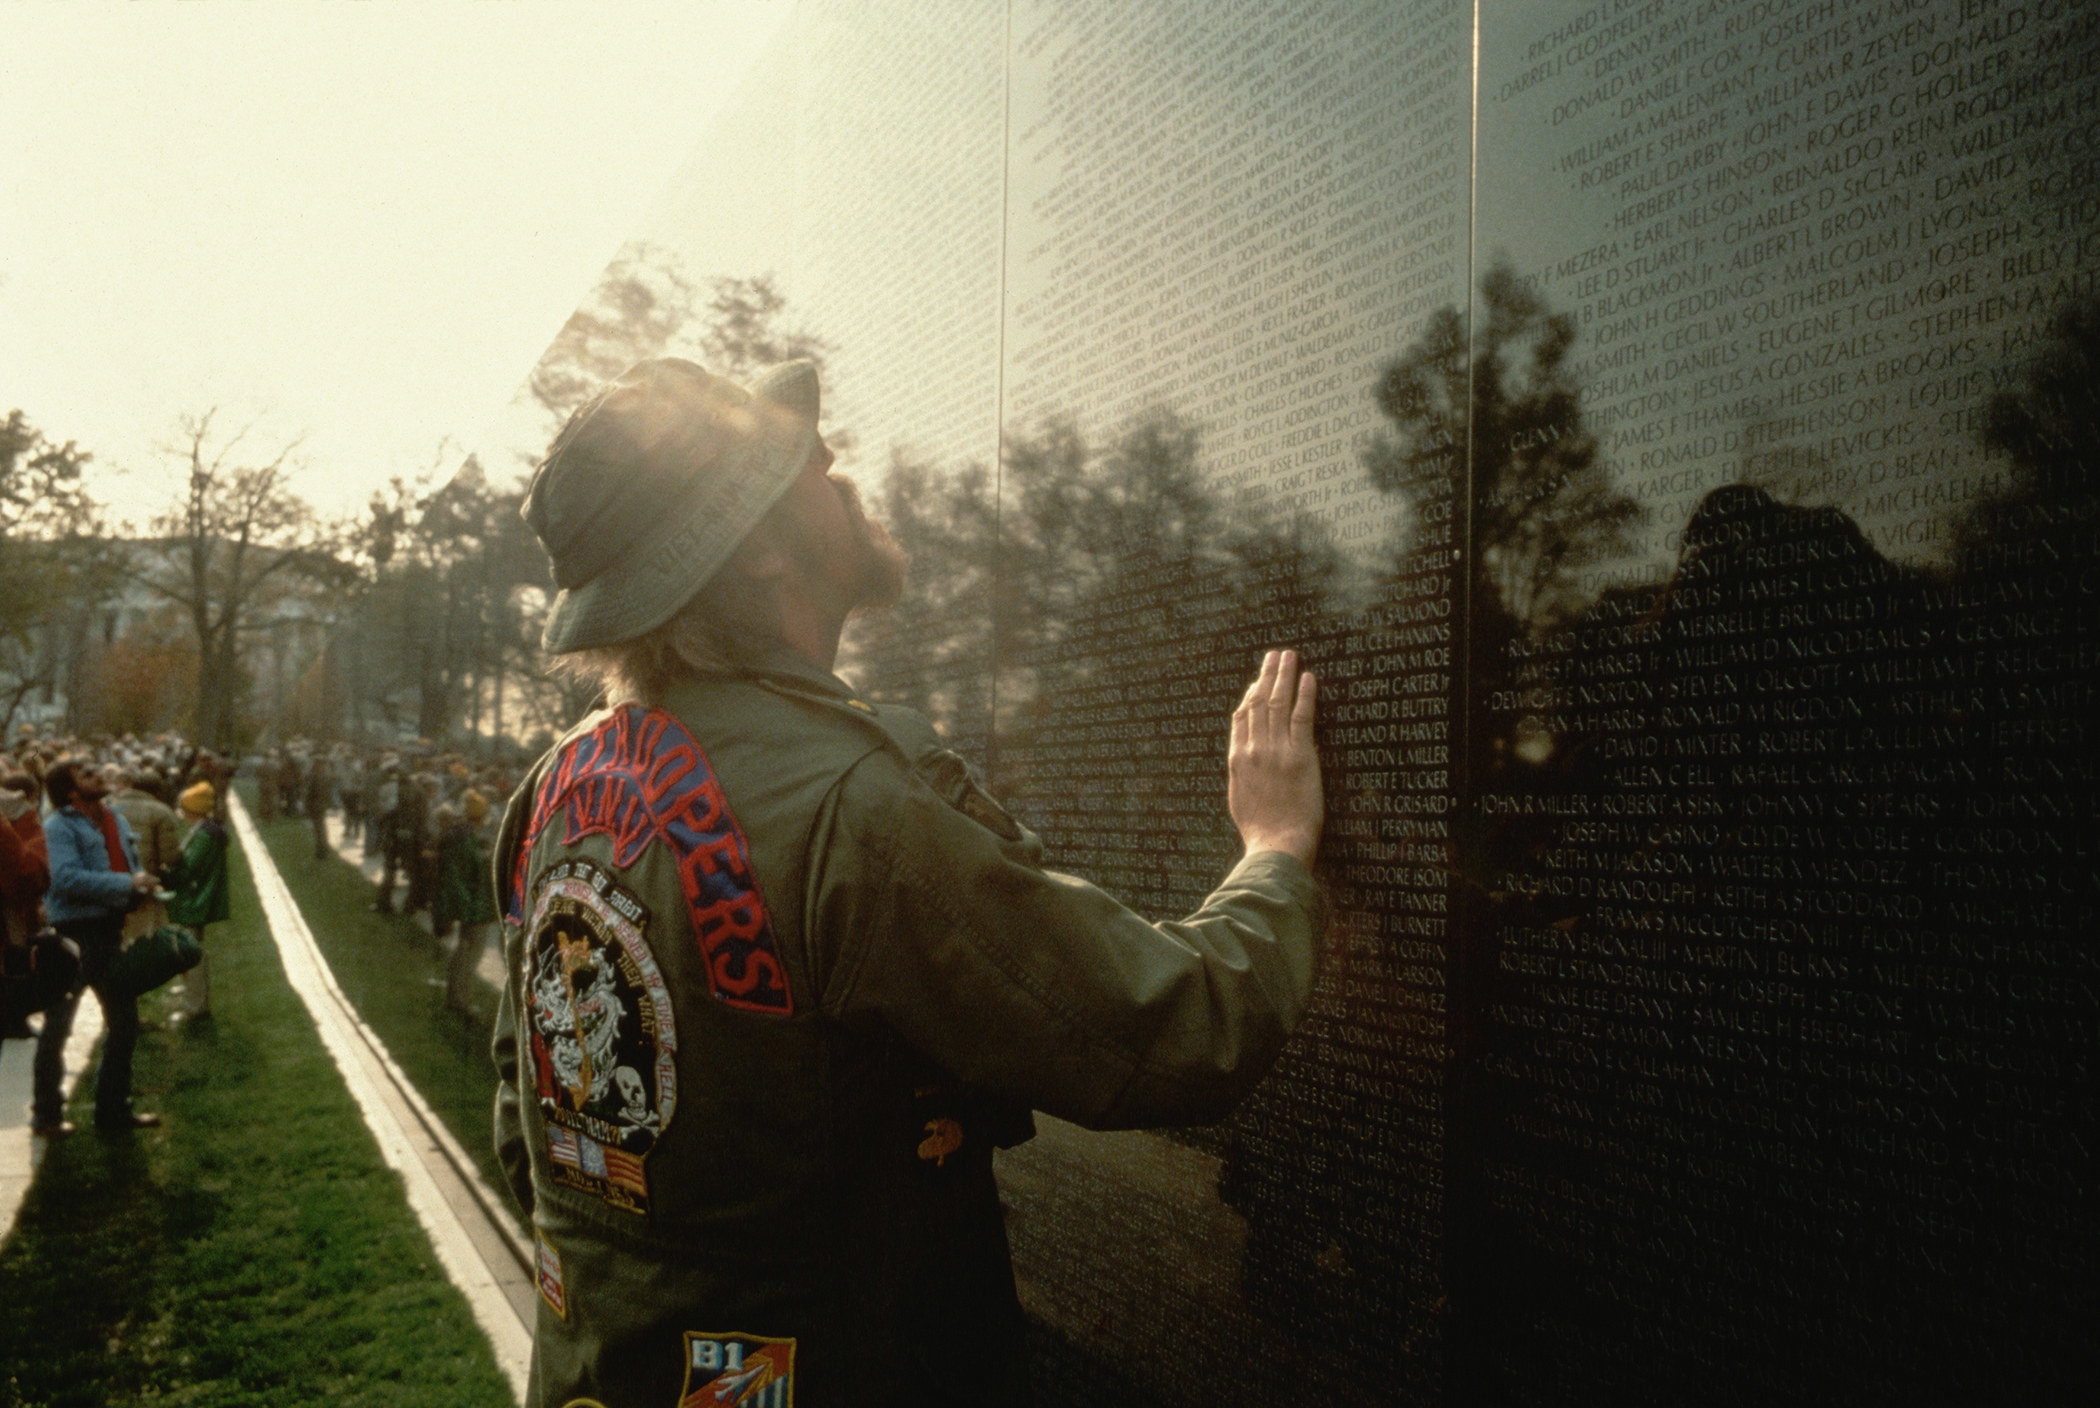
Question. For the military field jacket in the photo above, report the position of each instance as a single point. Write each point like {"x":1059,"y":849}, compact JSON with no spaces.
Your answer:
{"x":780,"y":977}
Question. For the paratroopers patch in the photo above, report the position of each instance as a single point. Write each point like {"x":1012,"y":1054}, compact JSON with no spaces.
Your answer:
{"x":639,"y":777}
{"x":738,"y":1371}
{"x":604,"y":1041}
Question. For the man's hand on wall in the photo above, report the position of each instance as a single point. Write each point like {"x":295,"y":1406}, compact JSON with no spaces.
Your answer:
{"x":1273,"y":768}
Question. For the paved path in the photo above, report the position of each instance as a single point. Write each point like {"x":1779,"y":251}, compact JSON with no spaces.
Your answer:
{"x":476,"y":1242}
{"x":19,"y":1152}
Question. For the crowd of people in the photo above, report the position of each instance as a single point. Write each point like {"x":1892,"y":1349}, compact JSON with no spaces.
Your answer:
{"x":425,"y":815}
{"x":107,"y":839}
{"x":105,"y":842}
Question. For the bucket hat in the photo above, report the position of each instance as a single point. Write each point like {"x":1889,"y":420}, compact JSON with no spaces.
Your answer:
{"x":652,"y":484}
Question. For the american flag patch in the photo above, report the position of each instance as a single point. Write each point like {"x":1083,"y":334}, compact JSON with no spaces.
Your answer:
{"x":625,"y":1170}
{"x":561,"y":1146}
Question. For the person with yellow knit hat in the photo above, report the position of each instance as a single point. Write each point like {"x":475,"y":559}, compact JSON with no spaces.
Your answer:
{"x":198,"y":881}
{"x":197,"y":801}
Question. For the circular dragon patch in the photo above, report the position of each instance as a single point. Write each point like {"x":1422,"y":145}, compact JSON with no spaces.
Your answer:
{"x":603,"y":1040}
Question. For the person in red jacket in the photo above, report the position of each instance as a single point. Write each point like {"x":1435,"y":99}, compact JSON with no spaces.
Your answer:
{"x":25,"y":873}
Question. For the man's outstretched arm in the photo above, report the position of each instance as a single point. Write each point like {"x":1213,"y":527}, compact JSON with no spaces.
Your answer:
{"x":1047,"y":991}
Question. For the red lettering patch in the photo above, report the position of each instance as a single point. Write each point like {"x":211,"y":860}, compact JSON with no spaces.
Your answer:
{"x":638,"y":778}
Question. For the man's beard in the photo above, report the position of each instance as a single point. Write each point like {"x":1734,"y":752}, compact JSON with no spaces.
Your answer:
{"x":878,"y":582}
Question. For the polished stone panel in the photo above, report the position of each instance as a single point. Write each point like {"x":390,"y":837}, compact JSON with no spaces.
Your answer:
{"x":1669,"y":430}
{"x":1783,"y":943}
{"x":1221,"y":220}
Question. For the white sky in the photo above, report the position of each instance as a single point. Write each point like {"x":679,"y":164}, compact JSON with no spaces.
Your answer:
{"x":359,"y":224}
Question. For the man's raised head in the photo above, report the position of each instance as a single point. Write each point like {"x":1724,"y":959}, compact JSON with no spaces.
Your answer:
{"x":652,"y":484}
{"x":72,"y":777}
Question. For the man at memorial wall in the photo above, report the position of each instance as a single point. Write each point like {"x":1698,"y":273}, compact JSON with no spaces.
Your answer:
{"x":782,"y":975}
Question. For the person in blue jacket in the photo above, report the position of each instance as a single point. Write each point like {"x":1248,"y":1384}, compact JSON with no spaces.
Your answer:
{"x":95,"y":881}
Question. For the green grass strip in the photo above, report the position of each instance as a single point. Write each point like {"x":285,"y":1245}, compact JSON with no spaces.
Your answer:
{"x":255,"y":1250}
{"x":393,"y":972}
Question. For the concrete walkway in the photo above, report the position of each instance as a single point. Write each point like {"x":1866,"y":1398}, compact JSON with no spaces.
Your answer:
{"x":20,"y":1152}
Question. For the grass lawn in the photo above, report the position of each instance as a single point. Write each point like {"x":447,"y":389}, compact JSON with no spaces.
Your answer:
{"x":255,"y":1250}
{"x":394,"y":974}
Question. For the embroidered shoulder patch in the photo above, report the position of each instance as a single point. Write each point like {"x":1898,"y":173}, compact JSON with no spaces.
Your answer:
{"x":604,"y":1040}
{"x":639,"y":778}
{"x":738,"y":1371}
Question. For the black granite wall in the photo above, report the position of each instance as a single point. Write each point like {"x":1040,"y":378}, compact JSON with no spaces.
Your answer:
{"x":1670,"y":429}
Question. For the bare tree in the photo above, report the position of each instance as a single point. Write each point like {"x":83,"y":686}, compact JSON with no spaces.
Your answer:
{"x":236,"y":542}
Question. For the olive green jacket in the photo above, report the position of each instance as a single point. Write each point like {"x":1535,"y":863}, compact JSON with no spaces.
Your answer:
{"x":781,"y":977}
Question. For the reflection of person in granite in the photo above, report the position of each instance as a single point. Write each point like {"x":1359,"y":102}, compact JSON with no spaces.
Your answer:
{"x":1778,"y":894}
{"x":870,"y":979}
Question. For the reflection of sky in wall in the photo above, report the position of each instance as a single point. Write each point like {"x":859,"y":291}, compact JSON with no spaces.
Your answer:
{"x":1240,"y":217}
{"x":859,"y":164}
{"x":1853,"y":233}
{"x":1212,"y":189}
{"x":1190,"y":193}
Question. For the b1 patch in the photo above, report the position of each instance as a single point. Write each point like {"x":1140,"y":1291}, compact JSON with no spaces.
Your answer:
{"x":604,"y":1042}
{"x":553,"y":1289}
{"x":738,"y":1371}
{"x":639,"y":777}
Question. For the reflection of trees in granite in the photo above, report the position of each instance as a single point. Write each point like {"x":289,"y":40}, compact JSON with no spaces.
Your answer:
{"x":1782,"y":1076}
{"x":1124,"y":604}
{"x":1486,"y":444}
{"x":1787,"y":1006}
{"x":1130,"y":603}
{"x":645,"y":306}
{"x":1544,"y":512}
{"x":1544,"y":515}
{"x":2050,"y":430}
{"x":1116,"y":603}
{"x":1750,"y":925}
{"x":933,"y":651}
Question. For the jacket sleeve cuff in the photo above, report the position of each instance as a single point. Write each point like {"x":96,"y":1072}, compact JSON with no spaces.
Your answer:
{"x":1271,"y":871}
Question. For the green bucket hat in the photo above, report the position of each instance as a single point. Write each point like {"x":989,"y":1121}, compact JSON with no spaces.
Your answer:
{"x":653,"y":483}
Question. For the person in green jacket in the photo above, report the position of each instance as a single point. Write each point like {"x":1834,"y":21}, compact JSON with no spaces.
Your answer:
{"x":463,"y":897}
{"x":198,"y":884}
{"x":781,"y":975}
